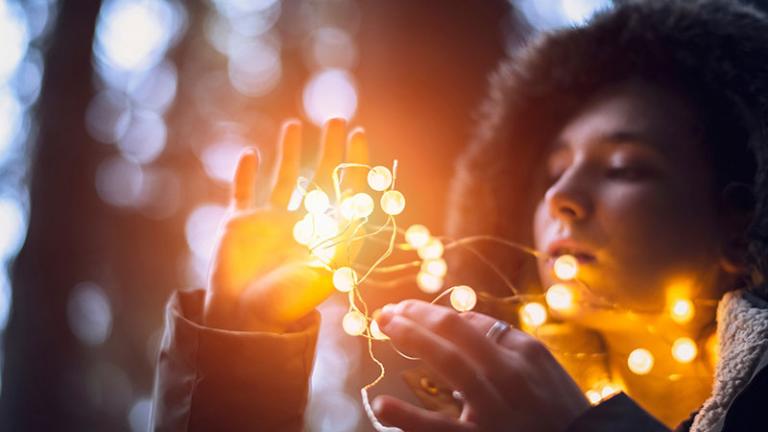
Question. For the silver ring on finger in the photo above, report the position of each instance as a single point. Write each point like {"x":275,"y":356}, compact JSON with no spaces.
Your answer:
{"x":497,"y":330}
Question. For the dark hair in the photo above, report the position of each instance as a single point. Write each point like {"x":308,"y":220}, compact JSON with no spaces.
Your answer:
{"x":711,"y":52}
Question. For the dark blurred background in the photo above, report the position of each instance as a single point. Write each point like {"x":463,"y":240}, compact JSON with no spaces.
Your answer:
{"x":120,"y":123}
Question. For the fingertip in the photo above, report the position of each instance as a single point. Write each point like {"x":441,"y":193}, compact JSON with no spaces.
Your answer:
{"x":358,"y":131}
{"x":291,"y":123}
{"x":249,"y":159}
{"x":382,"y":406}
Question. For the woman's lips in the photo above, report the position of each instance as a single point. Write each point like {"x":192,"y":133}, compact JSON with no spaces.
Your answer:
{"x":567,"y":247}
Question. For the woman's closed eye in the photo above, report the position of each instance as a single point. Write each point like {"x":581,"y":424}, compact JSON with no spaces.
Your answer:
{"x":628,"y":172}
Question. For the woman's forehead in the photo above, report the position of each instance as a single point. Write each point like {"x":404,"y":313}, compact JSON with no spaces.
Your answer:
{"x":635,"y":112}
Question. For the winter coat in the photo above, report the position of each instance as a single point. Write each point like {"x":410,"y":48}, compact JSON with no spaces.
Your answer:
{"x":211,"y":379}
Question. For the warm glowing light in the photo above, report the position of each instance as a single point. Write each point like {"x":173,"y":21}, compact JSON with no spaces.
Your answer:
{"x":417,"y":236}
{"x":316,"y":201}
{"x":559,"y":297}
{"x":376,"y":332}
{"x":324,"y":255}
{"x":392,"y":202}
{"x":347,"y":208}
{"x":362,"y":205}
{"x":533,"y":314}
{"x":432,"y":250}
{"x":436,"y":267}
{"x":344,"y":279}
{"x":684,"y":350}
{"x":429,"y":283}
{"x":609,"y":390}
{"x":593,"y":396}
{"x":302,"y":231}
{"x":354,"y":323}
{"x":640,"y":361}
{"x":712,"y":349}
{"x":682,"y":311}
{"x":323,"y":226}
{"x":463,"y":298}
{"x":379,"y":178}
{"x":566,"y":267}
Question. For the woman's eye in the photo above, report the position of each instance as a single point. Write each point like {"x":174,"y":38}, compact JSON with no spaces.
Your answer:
{"x":626,"y":173}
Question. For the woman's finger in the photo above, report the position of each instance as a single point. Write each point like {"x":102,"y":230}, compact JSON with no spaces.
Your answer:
{"x":447,"y":359}
{"x":357,"y":152}
{"x":332,"y":142}
{"x":394,"y":412}
{"x":288,"y":160}
{"x":448,"y":324}
{"x":513,"y":339}
{"x":244,"y":182}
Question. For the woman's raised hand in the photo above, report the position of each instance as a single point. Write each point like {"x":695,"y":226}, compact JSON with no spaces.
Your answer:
{"x":259,"y":279}
{"x":514,"y":384}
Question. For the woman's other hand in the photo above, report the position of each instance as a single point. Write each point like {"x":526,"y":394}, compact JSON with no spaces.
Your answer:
{"x":512,"y":384}
{"x":259,"y":279}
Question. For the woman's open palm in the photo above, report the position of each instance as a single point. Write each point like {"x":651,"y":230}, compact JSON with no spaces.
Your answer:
{"x":260,"y":277}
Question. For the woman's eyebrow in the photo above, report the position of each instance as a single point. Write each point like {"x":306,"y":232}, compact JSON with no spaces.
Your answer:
{"x":608,"y":138}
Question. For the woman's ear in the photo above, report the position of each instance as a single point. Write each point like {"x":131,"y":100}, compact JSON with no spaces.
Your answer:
{"x":737,"y":203}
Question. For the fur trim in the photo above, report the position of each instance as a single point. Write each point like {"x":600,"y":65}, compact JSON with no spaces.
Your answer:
{"x":743,"y":334}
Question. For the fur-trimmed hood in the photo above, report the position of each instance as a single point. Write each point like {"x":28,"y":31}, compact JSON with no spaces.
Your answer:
{"x":742,"y":330}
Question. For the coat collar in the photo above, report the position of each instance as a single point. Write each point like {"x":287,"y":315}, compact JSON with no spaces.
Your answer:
{"x":742,"y":330}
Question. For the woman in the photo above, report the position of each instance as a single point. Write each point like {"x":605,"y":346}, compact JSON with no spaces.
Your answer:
{"x":645,"y":127}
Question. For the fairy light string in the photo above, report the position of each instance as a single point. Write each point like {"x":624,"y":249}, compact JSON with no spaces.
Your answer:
{"x":346,"y":219}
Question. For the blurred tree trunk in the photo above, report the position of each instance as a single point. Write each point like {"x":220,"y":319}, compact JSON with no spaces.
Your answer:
{"x":42,"y":358}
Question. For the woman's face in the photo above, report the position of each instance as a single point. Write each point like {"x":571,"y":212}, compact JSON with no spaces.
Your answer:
{"x":629,"y":192}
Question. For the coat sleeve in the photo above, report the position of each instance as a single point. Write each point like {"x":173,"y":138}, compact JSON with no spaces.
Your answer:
{"x":211,"y":379}
{"x":619,"y":413}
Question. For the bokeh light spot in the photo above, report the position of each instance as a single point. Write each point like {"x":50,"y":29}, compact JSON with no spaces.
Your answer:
{"x":89,"y":313}
{"x":330,"y":93}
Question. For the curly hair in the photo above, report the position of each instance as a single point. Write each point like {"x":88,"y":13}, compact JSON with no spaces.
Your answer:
{"x":712,"y":52}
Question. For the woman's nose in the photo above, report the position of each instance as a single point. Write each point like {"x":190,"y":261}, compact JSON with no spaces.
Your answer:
{"x":568,"y":200}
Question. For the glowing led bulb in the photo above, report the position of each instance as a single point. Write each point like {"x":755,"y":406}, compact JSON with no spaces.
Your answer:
{"x":566,"y":267}
{"x":432,"y":250}
{"x":347,"y":208}
{"x":344,"y":279}
{"x":302,"y":231}
{"x":417,"y":236}
{"x":463,"y":298}
{"x":533,"y":314}
{"x":640,"y":361}
{"x":429,"y":283}
{"x":354,"y":323}
{"x":436,"y":267}
{"x":392,"y":202}
{"x":323,"y":227}
{"x":609,"y":390}
{"x":379,"y":178}
{"x":682,"y":311}
{"x":316,"y":201}
{"x":376,"y":332}
{"x":559,"y":297}
{"x":684,"y":350}
{"x":593,"y":396}
{"x":362,"y":205}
